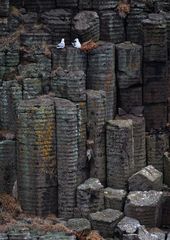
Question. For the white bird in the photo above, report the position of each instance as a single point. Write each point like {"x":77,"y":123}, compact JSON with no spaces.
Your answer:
{"x":76,"y":43}
{"x":61,"y":44}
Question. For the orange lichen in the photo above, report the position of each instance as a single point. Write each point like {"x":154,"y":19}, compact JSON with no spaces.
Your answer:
{"x":88,"y":46}
{"x":123,"y":9}
{"x":94,"y":235}
{"x":45,"y":139}
{"x":9,"y":205}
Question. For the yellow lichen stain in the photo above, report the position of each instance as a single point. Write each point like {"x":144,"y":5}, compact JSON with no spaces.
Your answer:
{"x":45,"y":137}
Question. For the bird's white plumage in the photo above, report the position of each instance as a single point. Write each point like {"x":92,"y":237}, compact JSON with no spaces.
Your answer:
{"x":76,"y":43}
{"x":61,"y":44}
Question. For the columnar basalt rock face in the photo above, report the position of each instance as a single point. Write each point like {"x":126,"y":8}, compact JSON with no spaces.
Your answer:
{"x":155,"y":70}
{"x":127,"y":226}
{"x":166,"y":168}
{"x":40,"y":5}
{"x":67,"y":4}
{"x":82,"y":166}
{"x":96,"y":113}
{"x":139,"y":138}
{"x":69,"y":85}
{"x":156,"y":145}
{"x":111,"y":26}
{"x":7,"y":161}
{"x":63,"y":138}
{"x":119,"y":152}
{"x":69,"y":59}
{"x":101,"y":74}
{"x":58,"y":23}
{"x":146,"y":179}
{"x":166,"y":210}
{"x":145,"y":206}
{"x":105,"y":221}
{"x":129,"y":78}
{"x":134,"y":19}
{"x":85,"y":26}
{"x":90,"y":197}
{"x":103,"y":5}
{"x":4,"y":8}
{"x":114,"y":198}
{"x":37,"y":156}
{"x":79,"y":224}
{"x":67,"y":156}
{"x":10,"y":96}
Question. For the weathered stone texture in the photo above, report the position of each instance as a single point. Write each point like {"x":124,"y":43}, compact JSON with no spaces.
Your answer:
{"x":139,"y":138}
{"x":90,"y":197}
{"x":111,"y":26}
{"x":105,"y":221}
{"x":67,"y":156}
{"x":114,"y":198}
{"x":96,"y":113}
{"x":119,"y":152}
{"x":145,"y":206}
{"x":85,"y":26}
{"x":147,"y":179}
{"x":70,"y":85}
{"x":36,"y":168}
{"x":7,"y":163}
{"x":101,"y":74}
{"x":156,"y":145}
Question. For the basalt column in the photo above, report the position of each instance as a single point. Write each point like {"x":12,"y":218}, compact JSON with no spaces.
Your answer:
{"x":155,"y":71}
{"x":7,"y":161}
{"x":101,"y":75}
{"x":69,"y":58}
{"x":67,"y":156}
{"x":86,"y":26}
{"x":40,"y":5}
{"x":134,"y":21}
{"x":96,"y":112}
{"x":111,"y":23}
{"x":119,"y":152}
{"x":36,"y":164}
{"x":57,"y":22}
{"x":10,"y":96}
{"x":129,"y":77}
{"x":72,"y":86}
{"x":156,"y":145}
{"x":35,"y":64}
{"x":139,"y":140}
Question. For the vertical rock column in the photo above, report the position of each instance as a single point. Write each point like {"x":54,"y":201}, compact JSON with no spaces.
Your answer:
{"x":7,"y":161}
{"x":111,"y":24}
{"x":72,"y":86}
{"x":10,"y":97}
{"x":101,"y":74}
{"x":35,"y":67}
{"x":134,"y":21}
{"x":69,"y":58}
{"x":155,"y":71}
{"x":129,"y":75}
{"x":86,"y":26}
{"x":57,"y":22}
{"x":156,"y":145}
{"x":36,"y":164}
{"x":69,"y":81}
{"x":40,"y":5}
{"x":96,"y":113}
{"x":139,"y":140}
{"x":67,"y":156}
{"x":119,"y":152}
{"x":67,"y":4}
{"x":4,"y":8}
{"x":167,"y":16}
